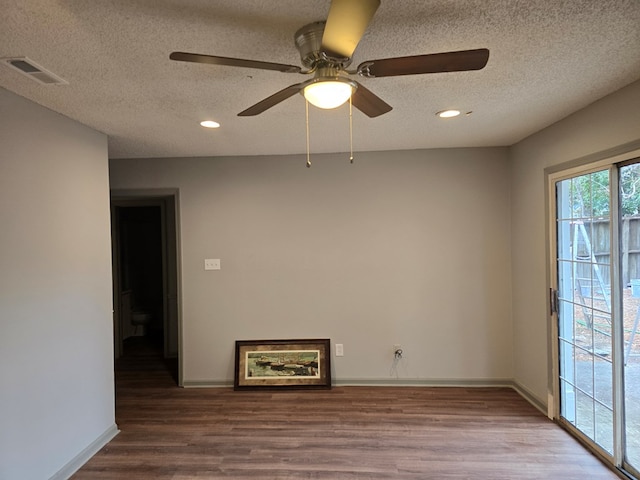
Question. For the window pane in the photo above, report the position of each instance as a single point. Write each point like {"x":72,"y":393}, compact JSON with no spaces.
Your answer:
{"x":584,"y":288}
{"x":630,"y":267}
{"x":584,"y":414}
{"x":604,"y":427}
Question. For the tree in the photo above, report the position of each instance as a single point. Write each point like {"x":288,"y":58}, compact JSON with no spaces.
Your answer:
{"x":590,"y":193}
{"x":630,"y":189}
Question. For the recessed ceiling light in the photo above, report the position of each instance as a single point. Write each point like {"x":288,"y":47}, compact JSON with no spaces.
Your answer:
{"x":448,"y":113}
{"x":210,"y":124}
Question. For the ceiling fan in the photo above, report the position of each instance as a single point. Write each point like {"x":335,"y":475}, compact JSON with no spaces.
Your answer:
{"x":326,"y":50}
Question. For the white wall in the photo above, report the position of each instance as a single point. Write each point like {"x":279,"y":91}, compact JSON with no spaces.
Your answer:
{"x":56,"y":373}
{"x":608,"y":123}
{"x":406,"y":247}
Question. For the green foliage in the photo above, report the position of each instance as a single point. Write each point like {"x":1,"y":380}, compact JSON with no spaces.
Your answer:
{"x":630,"y":189}
{"x":590,"y":193}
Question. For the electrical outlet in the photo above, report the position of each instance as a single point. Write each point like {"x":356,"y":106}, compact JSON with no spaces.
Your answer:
{"x":339,"y":350}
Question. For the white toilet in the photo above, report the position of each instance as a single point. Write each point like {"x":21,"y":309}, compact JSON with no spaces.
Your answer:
{"x":140,"y":319}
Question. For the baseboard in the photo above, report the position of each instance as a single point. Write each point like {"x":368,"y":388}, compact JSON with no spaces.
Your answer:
{"x":379,"y":382}
{"x":206,"y":384}
{"x":530,"y":397}
{"x":423,"y":382}
{"x":83,"y":457}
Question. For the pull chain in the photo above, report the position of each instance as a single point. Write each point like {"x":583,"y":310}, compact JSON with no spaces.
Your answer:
{"x":306,"y":102}
{"x":350,"y":131}
{"x":306,"y":110}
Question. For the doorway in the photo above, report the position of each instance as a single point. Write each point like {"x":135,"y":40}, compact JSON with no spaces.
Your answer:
{"x":596,"y":286}
{"x":145,"y":283}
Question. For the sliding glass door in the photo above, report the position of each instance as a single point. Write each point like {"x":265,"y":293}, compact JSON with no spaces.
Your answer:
{"x":629,"y":194}
{"x":596,"y":288}
{"x":584,"y":305}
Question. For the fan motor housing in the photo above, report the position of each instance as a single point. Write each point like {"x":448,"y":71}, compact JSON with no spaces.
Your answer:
{"x":308,"y":40}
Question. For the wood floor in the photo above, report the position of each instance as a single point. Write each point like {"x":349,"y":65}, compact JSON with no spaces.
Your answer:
{"x":345,"y":433}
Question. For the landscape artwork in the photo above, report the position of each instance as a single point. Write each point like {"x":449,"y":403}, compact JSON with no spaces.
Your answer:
{"x":282,"y":364}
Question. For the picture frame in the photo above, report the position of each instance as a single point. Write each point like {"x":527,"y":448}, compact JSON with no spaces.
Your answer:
{"x":282,"y":364}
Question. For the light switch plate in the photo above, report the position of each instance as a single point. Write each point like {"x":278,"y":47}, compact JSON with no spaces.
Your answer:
{"x":212,"y":264}
{"x":339,"y":350}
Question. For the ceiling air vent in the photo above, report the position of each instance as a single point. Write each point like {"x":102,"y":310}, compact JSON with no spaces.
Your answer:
{"x":34,"y":71}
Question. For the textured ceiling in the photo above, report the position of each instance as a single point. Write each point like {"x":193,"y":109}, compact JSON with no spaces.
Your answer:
{"x":548,"y":59}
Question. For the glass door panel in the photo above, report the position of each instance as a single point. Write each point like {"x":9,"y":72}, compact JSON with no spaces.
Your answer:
{"x":584,"y":305}
{"x":599,"y":328}
{"x":630,"y":270}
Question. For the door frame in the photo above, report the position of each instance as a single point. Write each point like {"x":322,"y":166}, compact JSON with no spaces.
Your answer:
{"x":608,"y":159}
{"x":168,"y":201}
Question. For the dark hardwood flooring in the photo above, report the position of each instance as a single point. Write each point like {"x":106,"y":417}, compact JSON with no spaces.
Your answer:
{"x":344,"y":433}
{"x":144,"y":354}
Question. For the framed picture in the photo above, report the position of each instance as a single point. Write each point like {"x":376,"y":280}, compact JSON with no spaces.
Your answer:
{"x":282,"y":364}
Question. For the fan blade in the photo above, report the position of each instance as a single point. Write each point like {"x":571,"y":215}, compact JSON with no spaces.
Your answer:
{"x":346,"y":23}
{"x":368,"y":102}
{"x":272,"y":100}
{"x":432,"y":63}
{"x":233,"y":62}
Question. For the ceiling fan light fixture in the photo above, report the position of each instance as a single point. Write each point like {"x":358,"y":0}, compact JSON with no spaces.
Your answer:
{"x":448,"y":113}
{"x":328,"y":94}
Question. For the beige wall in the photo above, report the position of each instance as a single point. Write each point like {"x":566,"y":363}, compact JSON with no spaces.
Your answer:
{"x":406,"y":247}
{"x":56,"y":373}
{"x":402,"y":247}
{"x":442,"y":251}
{"x":606,"y":124}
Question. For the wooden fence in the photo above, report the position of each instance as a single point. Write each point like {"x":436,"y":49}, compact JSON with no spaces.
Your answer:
{"x":598,"y":232}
